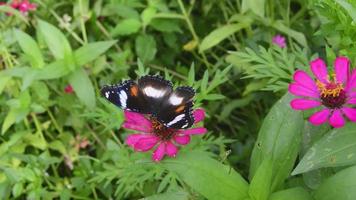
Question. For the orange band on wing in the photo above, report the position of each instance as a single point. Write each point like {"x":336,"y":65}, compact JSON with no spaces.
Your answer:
{"x":179,"y":109}
{"x":134,"y":90}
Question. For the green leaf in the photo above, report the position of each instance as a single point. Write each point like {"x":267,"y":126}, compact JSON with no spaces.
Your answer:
{"x":83,"y":87}
{"x":297,"y":193}
{"x":126,"y":27}
{"x":256,"y":6}
{"x":53,"y":70}
{"x":349,"y":8}
{"x":280,"y":137}
{"x":207,"y":176}
{"x":91,"y":51}
{"x":336,"y":148}
{"x":55,"y":40}
{"x":30,"y":48}
{"x":3,"y":81}
{"x":147,"y":15}
{"x":145,"y":46}
{"x":340,"y":186}
{"x":191,"y":75}
{"x":298,"y":36}
{"x":220,"y":34}
{"x":174,"y":195}
{"x":17,"y":189}
{"x":260,"y":186}
{"x":165,"y":25}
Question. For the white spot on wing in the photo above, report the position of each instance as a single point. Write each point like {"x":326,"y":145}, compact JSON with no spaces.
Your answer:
{"x":123,"y":98}
{"x":107,"y":94}
{"x":153,"y":92}
{"x":176,"y":119}
{"x":185,"y":125}
{"x":175,"y":100}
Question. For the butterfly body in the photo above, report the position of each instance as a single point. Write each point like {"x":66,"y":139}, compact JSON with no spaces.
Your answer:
{"x":154,"y":96}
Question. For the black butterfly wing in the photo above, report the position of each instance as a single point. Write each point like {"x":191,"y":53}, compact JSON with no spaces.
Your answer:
{"x":127,"y":96}
{"x":176,"y":109}
{"x":154,"y":89}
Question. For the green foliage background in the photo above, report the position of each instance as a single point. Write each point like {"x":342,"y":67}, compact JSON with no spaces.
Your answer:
{"x":221,"y":48}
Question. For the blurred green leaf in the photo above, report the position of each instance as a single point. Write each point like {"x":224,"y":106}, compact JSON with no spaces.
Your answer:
{"x":91,"y":51}
{"x":256,"y":6}
{"x":55,"y":40}
{"x":260,"y":186}
{"x":3,"y":81}
{"x":30,"y":48}
{"x":340,"y":186}
{"x":83,"y":87}
{"x":349,"y":8}
{"x":12,"y":11}
{"x":53,"y":70}
{"x":336,"y":148}
{"x":165,"y":25}
{"x":174,"y":195}
{"x":126,"y":27}
{"x":220,"y":34}
{"x":279,"y":136}
{"x":207,"y":176}
{"x":145,"y":46}
{"x":297,"y":193}
{"x":298,"y":36}
{"x":147,"y":15}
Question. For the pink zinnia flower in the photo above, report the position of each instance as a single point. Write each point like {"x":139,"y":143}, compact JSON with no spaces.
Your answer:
{"x":154,"y":134}
{"x":336,"y":95}
{"x":23,"y":5}
{"x":279,"y":40}
{"x":68,"y":89}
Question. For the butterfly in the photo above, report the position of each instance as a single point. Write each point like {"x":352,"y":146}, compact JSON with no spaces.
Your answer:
{"x":154,"y":96}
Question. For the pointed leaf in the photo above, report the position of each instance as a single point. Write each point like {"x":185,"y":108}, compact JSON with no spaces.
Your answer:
{"x":220,"y":34}
{"x":260,"y":186}
{"x":207,"y":176}
{"x":340,"y":186}
{"x":83,"y":87}
{"x":336,"y":148}
{"x":280,"y":137}
{"x":30,"y":48}
{"x":91,"y":51}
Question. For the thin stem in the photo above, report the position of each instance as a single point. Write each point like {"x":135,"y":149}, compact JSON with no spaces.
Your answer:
{"x":82,"y":24}
{"x":107,"y":34}
{"x":96,"y":137}
{"x":54,"y":121}
{"x":60,"y":20}
{"x":192,"y":30}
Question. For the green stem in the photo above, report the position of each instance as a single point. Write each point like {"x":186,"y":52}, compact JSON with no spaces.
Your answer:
{"x":82,"y":24}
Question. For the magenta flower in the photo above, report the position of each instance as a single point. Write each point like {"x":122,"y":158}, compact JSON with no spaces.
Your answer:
{"x":154,"y":134}
{"x":279,"y":40}
{"x":336,"y":95}
{"x":23,"y":5}
{"x":68,"y":89}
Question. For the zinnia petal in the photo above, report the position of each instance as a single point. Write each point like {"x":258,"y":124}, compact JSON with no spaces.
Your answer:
{"x":199,"y":115}
{"x":319,"y":70}
{"x":336,"y":120}
{"x":136,"y":118}
{"x":351,"y":83}
{"x":350,"y":113}
{"x":303,"y":104}
{"x":300,"y":90}
{"x":320,"y":117}
{"x":351,"y":101}
{"x":171,"y":149}
{"x":134,"y":126}
{"x":342,"y":65}
{"x":146,"y":143}
{"x":158,"y":154}
{"x":133,"y":138}
{"x":182,"y":139}
{"x":305,"y":80}
{"x":194,"y":131}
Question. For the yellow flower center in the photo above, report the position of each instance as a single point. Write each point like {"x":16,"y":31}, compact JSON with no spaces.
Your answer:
{"x":332,"y":93}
